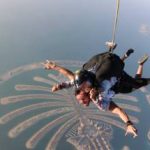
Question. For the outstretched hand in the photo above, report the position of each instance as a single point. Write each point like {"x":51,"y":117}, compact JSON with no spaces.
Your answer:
{"x":49,"y":65}
{"x":55,"y":88}
{"x":131,"y":130}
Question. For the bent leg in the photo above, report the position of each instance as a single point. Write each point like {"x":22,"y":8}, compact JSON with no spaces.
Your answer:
{"x":139,"y":71}
{"x":128,"y":84}
{"x":138,"y":77}
{"x":140,"y":67}
{"x":140,"y":82}
{"x":127,"y":54}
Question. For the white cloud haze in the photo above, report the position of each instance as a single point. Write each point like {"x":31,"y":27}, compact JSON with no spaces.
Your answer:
{"x":145,"y":29}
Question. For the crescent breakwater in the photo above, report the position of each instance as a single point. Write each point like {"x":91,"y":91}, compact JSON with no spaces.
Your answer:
{"x":64,"y":111}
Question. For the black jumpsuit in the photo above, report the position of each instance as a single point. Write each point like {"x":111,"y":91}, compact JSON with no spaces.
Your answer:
{"x":107,"y":65}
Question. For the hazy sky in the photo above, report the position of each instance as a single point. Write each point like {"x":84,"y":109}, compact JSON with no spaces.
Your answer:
{"x":34,"y":30}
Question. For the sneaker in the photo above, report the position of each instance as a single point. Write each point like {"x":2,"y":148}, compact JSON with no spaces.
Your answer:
{"x":143,"y":59}
{"x":129,"y":52}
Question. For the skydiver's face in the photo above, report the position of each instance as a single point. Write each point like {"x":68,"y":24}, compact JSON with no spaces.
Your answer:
{"x":83,"y":97}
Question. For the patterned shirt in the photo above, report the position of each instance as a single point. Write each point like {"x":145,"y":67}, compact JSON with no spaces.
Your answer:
{"x":106,"y":94}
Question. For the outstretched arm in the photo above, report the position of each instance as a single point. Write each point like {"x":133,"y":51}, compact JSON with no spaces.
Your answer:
{"x":66,"y":72}
{"x":114,"y":109}
{"x":62,"y":85}
{"x":121,"y":113}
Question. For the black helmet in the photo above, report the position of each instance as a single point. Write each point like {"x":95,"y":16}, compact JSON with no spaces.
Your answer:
{"x":84,"y":75}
